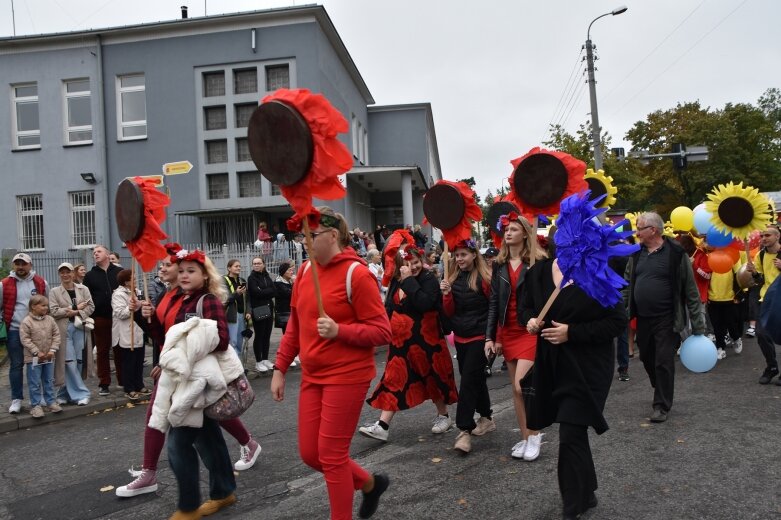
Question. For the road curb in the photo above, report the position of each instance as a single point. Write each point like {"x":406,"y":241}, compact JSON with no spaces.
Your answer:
{"x":24,"y":420}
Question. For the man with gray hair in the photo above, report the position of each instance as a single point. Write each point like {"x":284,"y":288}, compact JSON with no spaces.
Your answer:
{"x":660,"y":292}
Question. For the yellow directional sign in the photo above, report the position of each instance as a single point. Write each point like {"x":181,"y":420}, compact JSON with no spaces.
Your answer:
{"x":157,"y":179}
{"x":177,"y":168}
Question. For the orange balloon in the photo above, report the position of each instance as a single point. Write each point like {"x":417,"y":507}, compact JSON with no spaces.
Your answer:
{"x":720,"y":261}
{"x":733,"y":253}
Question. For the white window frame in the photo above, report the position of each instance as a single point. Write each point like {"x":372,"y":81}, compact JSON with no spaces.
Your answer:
{"x":365,"y":146}
{"x":80,"y":211}
{"x":21,"y":215}
{"x":70,"y":95}
{"x":354,"y":126}
{"x":15,"y":101}
{"x":128,"y":124}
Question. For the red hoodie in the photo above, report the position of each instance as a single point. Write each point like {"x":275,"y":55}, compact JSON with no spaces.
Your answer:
{"x":348,"y":358}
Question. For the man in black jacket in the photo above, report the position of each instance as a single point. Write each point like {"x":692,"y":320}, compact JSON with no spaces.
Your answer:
{"x":101,"y":281}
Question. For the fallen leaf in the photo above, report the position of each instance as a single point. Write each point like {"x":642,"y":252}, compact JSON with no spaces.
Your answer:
{"x":108,"y":410}
{"x":105,"y":438}
{"x":461,"y":502}
{"x":644,"y":425}
{"x":680,"y":441}
{"x":436,"y":460}
{"x":130,"y":405}
{"x":106,"y":488}
{"x":503,"y":458}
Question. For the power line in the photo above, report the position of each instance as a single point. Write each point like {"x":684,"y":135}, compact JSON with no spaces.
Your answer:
{"x":568,"y":102}
{"x":568,"y":85}
{"x":575,"y":105}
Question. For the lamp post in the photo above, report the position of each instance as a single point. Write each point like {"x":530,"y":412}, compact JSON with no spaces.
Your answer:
{"x":592,"y":88}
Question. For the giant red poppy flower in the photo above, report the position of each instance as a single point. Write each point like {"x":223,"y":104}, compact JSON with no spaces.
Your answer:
{"x":147,"y":249}
{"x":472,"y":212}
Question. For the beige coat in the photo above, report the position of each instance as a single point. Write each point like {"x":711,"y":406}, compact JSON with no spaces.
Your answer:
{"x":38,"y":335}
{"x":122,"y":320}
{"x":59,"y":305}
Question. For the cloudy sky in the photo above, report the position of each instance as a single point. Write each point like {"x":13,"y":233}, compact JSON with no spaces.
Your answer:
{"x":497,"y":73}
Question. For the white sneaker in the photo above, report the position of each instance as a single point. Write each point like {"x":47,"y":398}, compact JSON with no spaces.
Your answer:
{"x":375,"y":431}
{"x":720,"y":354}
{"x":711,"y":337}
{"x":260,"y":367}
{"x":518,"y":450}
{"x":268,"y":364}
{"x":61,"y":401}
{"x":146,"y":482}
{"x":295,"y":362}
{"x":16,"y":406}
{"x":442,"y":423}
{"x":83,"y":402}
{"x":533,"y":444}
{"x":737,"y":345}
{"x":727,"y":340}
{"x":249,"y":454}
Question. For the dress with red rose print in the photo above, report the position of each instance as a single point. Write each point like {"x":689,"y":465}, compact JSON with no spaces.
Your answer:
{"x":419,"y":365}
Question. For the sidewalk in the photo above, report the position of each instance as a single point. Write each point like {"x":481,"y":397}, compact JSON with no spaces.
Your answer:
{"x":98,"y":404}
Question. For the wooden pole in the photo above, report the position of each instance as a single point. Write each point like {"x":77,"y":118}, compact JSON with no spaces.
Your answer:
{"x":146,"y":296}
{"x":313,"y":263}
{"x":132,"y":297}
{"x":446,"y":261}
{"x":534,"y":244}
{"x":548,"y":304}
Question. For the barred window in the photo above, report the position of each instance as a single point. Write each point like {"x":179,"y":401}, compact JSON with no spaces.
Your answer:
{"x":217,"y":151}
{"x":242,"y":150}
{"x":214,"y":118}
{"x":218,"y":186}
{"x":277,"y":76}
{"x":82,"y":219}
{"x":245,"y":81}
{"x":213,"y":84}
{"x":249,"y":184}
{"x":30,"y":221}
{"x":244,"y":113}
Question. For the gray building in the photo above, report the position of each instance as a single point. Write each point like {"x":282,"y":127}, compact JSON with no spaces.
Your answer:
{"x":88,"y":109}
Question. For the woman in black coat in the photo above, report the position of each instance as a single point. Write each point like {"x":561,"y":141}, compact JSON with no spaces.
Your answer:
{"x":572,"y":374}
{"x":261,"y":297}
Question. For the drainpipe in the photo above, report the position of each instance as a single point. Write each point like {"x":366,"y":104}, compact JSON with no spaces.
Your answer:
{"x":102,"y":150}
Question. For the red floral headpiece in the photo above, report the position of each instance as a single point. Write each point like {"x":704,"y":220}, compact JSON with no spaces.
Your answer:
{"x":505,"y":220}
{"x":392,"y":246}
{"x":189,"y":256}
{"x":314,"y":218}
{"x":466,"y":244}
{"x":147,"y":249}
{"x":411,"y":251}
{"x":172,"y":248}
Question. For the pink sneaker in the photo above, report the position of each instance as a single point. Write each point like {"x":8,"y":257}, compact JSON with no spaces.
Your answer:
{"x":145,"y":483}
{"x":249,"y":454}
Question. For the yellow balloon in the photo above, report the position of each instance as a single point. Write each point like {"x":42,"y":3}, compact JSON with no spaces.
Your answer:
{"x":682,"y":218}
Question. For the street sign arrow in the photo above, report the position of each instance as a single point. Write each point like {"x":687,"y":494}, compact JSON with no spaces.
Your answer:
{"x":177,"y":168}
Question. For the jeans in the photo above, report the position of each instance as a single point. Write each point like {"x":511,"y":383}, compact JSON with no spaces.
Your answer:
{"x":184,"y":446}
{"x":16,"y":355}
{"x":234,"y":333}
{"x":40,"y":383}
{"x":74,"y":389}
{"x":622,"y":350}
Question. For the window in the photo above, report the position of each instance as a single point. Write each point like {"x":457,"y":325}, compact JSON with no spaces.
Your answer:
{"x":27,"y":128}
{"x":242,"y":150}
{"x":365,"y":146}
{"x":354,"y":126}
{"x":217,"y":151}
{"x":213,"y":84}
{"x":218,"y":185}
{"x":275,"y":190}
{"x":214,"y":118}
{"x":277,"y":76}
{"x":82,"y":218}
{"x":29,"y":209}
{"x":245,"y":81}
{"x":244,"y":113}
{"x":131,"y":107}
{"x":249,"y":184}
{"x":78,"y":112}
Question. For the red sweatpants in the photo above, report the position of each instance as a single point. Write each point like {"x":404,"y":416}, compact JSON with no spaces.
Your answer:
{"x":327,"y":417}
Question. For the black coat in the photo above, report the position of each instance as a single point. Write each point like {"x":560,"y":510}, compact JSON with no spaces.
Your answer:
{"x":101,"y":283}
{"x":500,"y":297}
{"x":423,"y":295}
{"x":261,"y":289}
{"x":571,"y":380}
{"x":471,"y":313}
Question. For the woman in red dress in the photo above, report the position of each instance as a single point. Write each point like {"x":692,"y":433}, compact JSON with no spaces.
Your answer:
{"x":419,"y":365}
{"x":505,"y":334}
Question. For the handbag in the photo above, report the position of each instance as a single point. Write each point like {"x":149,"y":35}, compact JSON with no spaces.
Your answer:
{"x":281,"y":319}
{"x":261,"y":312}
{"x":3,"y":332}
{"x":235,"y":401}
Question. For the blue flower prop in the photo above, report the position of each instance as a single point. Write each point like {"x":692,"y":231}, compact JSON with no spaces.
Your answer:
{"x":583,"y":246}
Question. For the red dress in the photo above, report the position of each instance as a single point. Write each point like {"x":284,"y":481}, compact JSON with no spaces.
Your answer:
{"x":516,"y":341}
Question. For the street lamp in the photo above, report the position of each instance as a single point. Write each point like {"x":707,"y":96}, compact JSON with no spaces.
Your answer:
{"x":592,"y":88}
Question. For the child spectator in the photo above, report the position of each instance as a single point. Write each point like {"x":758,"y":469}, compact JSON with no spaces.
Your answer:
{"x":40,"y":338}
{"x":123,"y":305}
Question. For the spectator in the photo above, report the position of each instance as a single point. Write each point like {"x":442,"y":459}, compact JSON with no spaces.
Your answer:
{"x":299,"y":251}
{"x":261,"y":295}
{"x":358,"y":244}
{"x":375,"y":266}
{"x":263,"y":241}
{"x":15,"y":292}
{"x":114,"y":259}
{"x":420,"y":237}
{"x":379,"y":237}
{"x":41,"y":340}
{"x":70,"y":301}
{"x":126,"y":334}
{"x":490,"y":255}
{"x":101,"y":281}
{"x":236,"y":304}
{"x":281,"y":249}
{"x":79,"y":272}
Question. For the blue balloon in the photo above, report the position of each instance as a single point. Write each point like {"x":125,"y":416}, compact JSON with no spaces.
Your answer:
{"x":698,"y":354}
{"x":702,"y":219}
{"x":716,"y":238}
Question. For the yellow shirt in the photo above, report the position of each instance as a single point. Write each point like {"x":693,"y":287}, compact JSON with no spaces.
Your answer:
{"x":767,"y":268}
{"x":721,"y":288}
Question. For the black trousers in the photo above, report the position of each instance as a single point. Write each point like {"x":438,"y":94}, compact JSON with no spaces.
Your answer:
{"x":658,"y":342}
{"x":577,"y":476}
{"x":473,"y":393}
{"x":725,"y":317}
{"x":766,"y":344}
{"x":133,"y":369}
{"x":262,"y":339}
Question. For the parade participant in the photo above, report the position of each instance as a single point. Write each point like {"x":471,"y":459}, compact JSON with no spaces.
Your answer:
{"x":69,"y":301}
{"x":725,"y":299}
{"x":236,"y":304}
{"x":506,"y":333}
{"x":419,"y":366}
{"x":283,"y":285}
{"x":40,"y":338}
{"x":124,"y":304}
{"x":261,"y":298}
{"x":766,"y":268}
{"x":161,"y":315}
{"x":337,"y":361}
{"x":660,"y":292}
{"x":465,"y":296}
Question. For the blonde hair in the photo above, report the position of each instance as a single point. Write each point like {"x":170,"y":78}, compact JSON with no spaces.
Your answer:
{"x":35,"y":299}
{"x":214,"y":283}
{"x":341,"y":227}
{"x":479,"y":268}
{"x":504,"y":252}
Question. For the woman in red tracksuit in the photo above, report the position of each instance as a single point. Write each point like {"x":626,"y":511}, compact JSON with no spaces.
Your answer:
{"x":337,"y":360}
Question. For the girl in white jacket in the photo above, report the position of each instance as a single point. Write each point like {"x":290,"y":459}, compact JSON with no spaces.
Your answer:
{"x":124,"y":305}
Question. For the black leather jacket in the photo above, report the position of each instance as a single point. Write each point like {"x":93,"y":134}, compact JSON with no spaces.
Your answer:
{"x":500,"y":298}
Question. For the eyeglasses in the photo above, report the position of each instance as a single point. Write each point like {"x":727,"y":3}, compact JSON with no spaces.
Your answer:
{"x":315,"y":235}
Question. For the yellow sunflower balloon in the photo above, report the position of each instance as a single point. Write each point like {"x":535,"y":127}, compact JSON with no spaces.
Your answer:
{"x":737,"y":210}
{"x":601,"y":184}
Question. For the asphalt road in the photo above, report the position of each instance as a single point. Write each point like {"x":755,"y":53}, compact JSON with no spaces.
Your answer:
{"x":717,"y":457}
